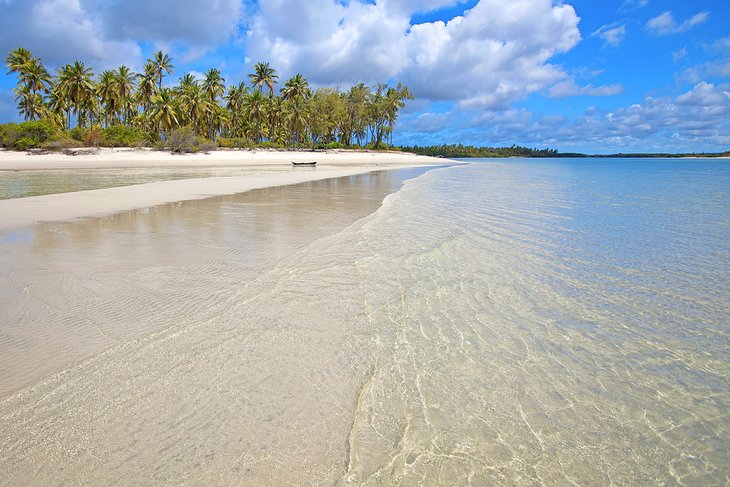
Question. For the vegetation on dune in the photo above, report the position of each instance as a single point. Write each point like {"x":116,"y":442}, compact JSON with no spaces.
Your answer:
{"x":120,"y":108}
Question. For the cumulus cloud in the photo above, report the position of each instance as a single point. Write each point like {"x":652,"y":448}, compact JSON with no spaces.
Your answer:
{"x":497,"y":52}
{"x":61,"y":31}
{"x":107,"y":33}
{"x":665,"y":24}
{"x":195,"y":22}
{"x":569,"y":87}
{"x":611,"y":34}
{"x":698,"y":119}
{"x":699,"y":116}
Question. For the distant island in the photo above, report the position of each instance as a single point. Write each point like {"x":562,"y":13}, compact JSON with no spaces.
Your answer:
{"x":460,"y":151}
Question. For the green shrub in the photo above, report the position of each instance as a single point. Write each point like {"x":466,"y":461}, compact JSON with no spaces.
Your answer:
{"x":32,"y":134}
{"x":8,"y":134}
{"x":205,"y":145}
{"x":380,"y":146}
{"x":234,"y":143}
{"x":122,"y":136}
{"x":25,"y":143}
{"x":78,"y":133}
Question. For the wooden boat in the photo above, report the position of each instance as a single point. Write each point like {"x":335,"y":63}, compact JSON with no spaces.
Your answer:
{"x":313,"y":163}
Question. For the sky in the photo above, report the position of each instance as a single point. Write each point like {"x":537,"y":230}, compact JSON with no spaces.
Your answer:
{"x":594,"y":76}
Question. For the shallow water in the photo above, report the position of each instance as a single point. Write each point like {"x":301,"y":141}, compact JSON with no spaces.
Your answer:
{"x":21,"y":184}
{"x":507,"y":322}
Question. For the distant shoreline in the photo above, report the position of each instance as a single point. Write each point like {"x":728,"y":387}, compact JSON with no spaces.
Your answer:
{"x":459,"y":151}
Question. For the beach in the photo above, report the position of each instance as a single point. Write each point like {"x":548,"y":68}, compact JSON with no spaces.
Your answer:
{"x":264,"y":169}
{"x":495,"y":323}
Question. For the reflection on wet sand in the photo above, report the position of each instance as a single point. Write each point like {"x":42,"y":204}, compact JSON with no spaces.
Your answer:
{"x":70,"y":290}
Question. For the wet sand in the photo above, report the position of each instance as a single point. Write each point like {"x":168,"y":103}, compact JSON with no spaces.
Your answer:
{"x":182,"y":344}
{"x":265,"y":169}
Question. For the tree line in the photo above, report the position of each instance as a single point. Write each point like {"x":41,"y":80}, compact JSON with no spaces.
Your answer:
{"x":467,"y":151}
{"x":460,"y":151}
{"x":237,"y":115}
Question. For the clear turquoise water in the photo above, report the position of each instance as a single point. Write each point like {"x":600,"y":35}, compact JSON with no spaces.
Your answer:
{"x":549,"y":322}
{"x":509,"y":322}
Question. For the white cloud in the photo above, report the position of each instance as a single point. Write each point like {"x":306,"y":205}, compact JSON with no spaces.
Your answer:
{"x":705,"y":95}
{"x":569,"y":87}
{"x":700,"y":116}
{"x":665,"y":24}
{"x":633,"y":5}
{"x":611,"y":34}
{"x":195,"y":22}
{"x":495,"y":53}
{"x":61,"y":31}
{"x":697,"y":120}
{"x":327,"y":41}
{"x":106,"y":33}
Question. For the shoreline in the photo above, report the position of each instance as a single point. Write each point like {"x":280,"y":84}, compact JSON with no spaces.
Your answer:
{"x":129,"y":157}
{"x":275,"y":167}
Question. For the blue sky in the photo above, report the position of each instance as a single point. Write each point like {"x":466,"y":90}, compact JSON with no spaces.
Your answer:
{"x":582,"y":75}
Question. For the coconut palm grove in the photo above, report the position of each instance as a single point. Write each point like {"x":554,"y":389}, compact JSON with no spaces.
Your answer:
{"x":76,"y":107}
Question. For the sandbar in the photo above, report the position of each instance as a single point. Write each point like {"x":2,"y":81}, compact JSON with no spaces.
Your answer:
{"x":271,"y":168}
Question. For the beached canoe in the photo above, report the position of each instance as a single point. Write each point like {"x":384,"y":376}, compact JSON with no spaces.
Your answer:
{"x":313,"y":163}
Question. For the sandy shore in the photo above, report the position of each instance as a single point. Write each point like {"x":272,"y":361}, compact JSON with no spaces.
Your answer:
{"x":272,"y":168}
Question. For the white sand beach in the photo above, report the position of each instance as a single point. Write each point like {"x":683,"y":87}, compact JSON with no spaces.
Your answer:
{"x":267,"y":169}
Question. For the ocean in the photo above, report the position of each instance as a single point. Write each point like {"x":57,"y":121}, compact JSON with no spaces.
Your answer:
{"x":506,"y":322}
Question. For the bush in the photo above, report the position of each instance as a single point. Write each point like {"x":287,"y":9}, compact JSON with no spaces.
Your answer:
{"x":8,"y":134}
{"x":122,"y":136}
{"x":61,"y":144}
{"x":33,"y":134}
{"x":269,"y":145}
{"x":330,"y":146}
{"x":94,"y":138}
{"x":25,"y":143}
{"x":183,"y":141}
{"x":380,"y":146}
{"x":234,"y":143}
{"x":79,"y":133}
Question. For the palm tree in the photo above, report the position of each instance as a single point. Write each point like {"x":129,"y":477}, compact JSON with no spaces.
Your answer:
{"x":108,"y":95}
{"x":297,"y":118}
{"x":164,"y":111}
{"x":275,"y":109}
{"x":76,"y":84}
{"x":57,"y":103}
{"x":214,"y":85}
{"x":32,"y":79}
{"x":146,"y":86}
{"x":264,"y":75}
{"x":35,"y":76}
{"x":193,"y":103}
{"x":18,"y":59}
{"x":124,"y":87}
{"x":29,"y":103}
{"x":296,"y":87}
{"x":163,"y":64}
{"x":234,"y":104}
{"x":254,"y":107}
